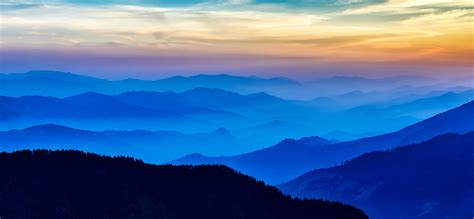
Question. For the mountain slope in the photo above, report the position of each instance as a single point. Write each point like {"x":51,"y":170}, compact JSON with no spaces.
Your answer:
{"x":280,"y":160}
{"x":62,"y":84}
{"x":129,"y":104}
{"x":199,"y":98}
{"x":65,"y":184}
{"x":83,"y":106}
{"x":303,"y":159}
{"x":225,"y":81}
{"x":139,"y":104}
{"x":432,"y":179}
{"x":94,"y":111}
{"x":59,"y":137}
{"x":420,"y":107}
{"x":433,"y":103}
{"x":51,"y":83}
{"x":152,"y":146}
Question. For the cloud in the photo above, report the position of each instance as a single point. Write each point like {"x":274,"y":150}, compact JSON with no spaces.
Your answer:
{"x":12,"y":6}
{"x":372,"y":31}
{"x":409,"y":6}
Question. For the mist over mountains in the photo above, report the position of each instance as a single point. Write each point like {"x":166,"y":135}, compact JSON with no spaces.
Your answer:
{"x":63,"y":84}
{"x":236,"y":109}
{"x":259,"y":119}
{"x":291,"y":158}
{"x":313,"y":136}
{"x":151,"y":146}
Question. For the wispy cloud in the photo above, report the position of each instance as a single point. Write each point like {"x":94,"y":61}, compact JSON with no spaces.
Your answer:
{"x":346,"y":30}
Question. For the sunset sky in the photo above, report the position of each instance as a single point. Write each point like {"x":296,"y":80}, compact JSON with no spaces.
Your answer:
{"x":307,"y":38}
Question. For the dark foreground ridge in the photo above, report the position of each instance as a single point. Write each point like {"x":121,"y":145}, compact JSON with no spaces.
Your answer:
{"x":73,"y":184}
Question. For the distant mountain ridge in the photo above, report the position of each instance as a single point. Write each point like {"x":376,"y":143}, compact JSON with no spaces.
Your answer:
{"x":157,"y":146}
{"x":72,"y":184}
{"x":132,"y":110}
{"x":286,"y":166}
{"x":136,"y":103}
{"x":62,"y":84}
{"x":198,"y":97}
{"x":419,"y":106}
{"x":253,"y":116}
{"x":432,"y":179}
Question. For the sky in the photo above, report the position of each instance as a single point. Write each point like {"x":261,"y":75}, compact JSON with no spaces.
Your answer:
{"x":293,"y":38}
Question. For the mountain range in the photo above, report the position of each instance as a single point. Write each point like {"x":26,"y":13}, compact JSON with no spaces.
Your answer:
{"x":419,"y":107}
{"x":280,"y":167}
{"x":72,"y":184}
{"x":204,"y":102}
{"x":130,"y":110}
{"x":63,"y":84}
{"x":152,"y":146}
{"x":432,"y":179}
{"x":420,"y":171}
{"x":95,"y":105}
{"x":204,"y":109}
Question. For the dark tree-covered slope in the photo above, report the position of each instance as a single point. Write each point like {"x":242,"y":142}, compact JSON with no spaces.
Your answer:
{"x":430,"y":180}
{"x":72,"y":184}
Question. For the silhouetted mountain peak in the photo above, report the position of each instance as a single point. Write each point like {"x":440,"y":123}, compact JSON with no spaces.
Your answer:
{"x":49,"y":74}
{"x":50,"y":127}
{"x":290,"y":143}
{"x":195,"y":157}
{"x":313,"y":141}
{"x":130,"y":80}
{"x":222,"y":132}
{"x":212,"y":75}
{"x":89,"y":95}
{"x":177,"y":77}
{"x":263,"y":95}
{"x":286,"y":143}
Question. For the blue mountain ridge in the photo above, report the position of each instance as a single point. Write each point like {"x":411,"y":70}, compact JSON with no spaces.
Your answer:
{"x":280,"y":167}
{"x":432,"y":179}
{"x":63,"y":84}
{"x":152,"y":146}
{"x":134,"y":104}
